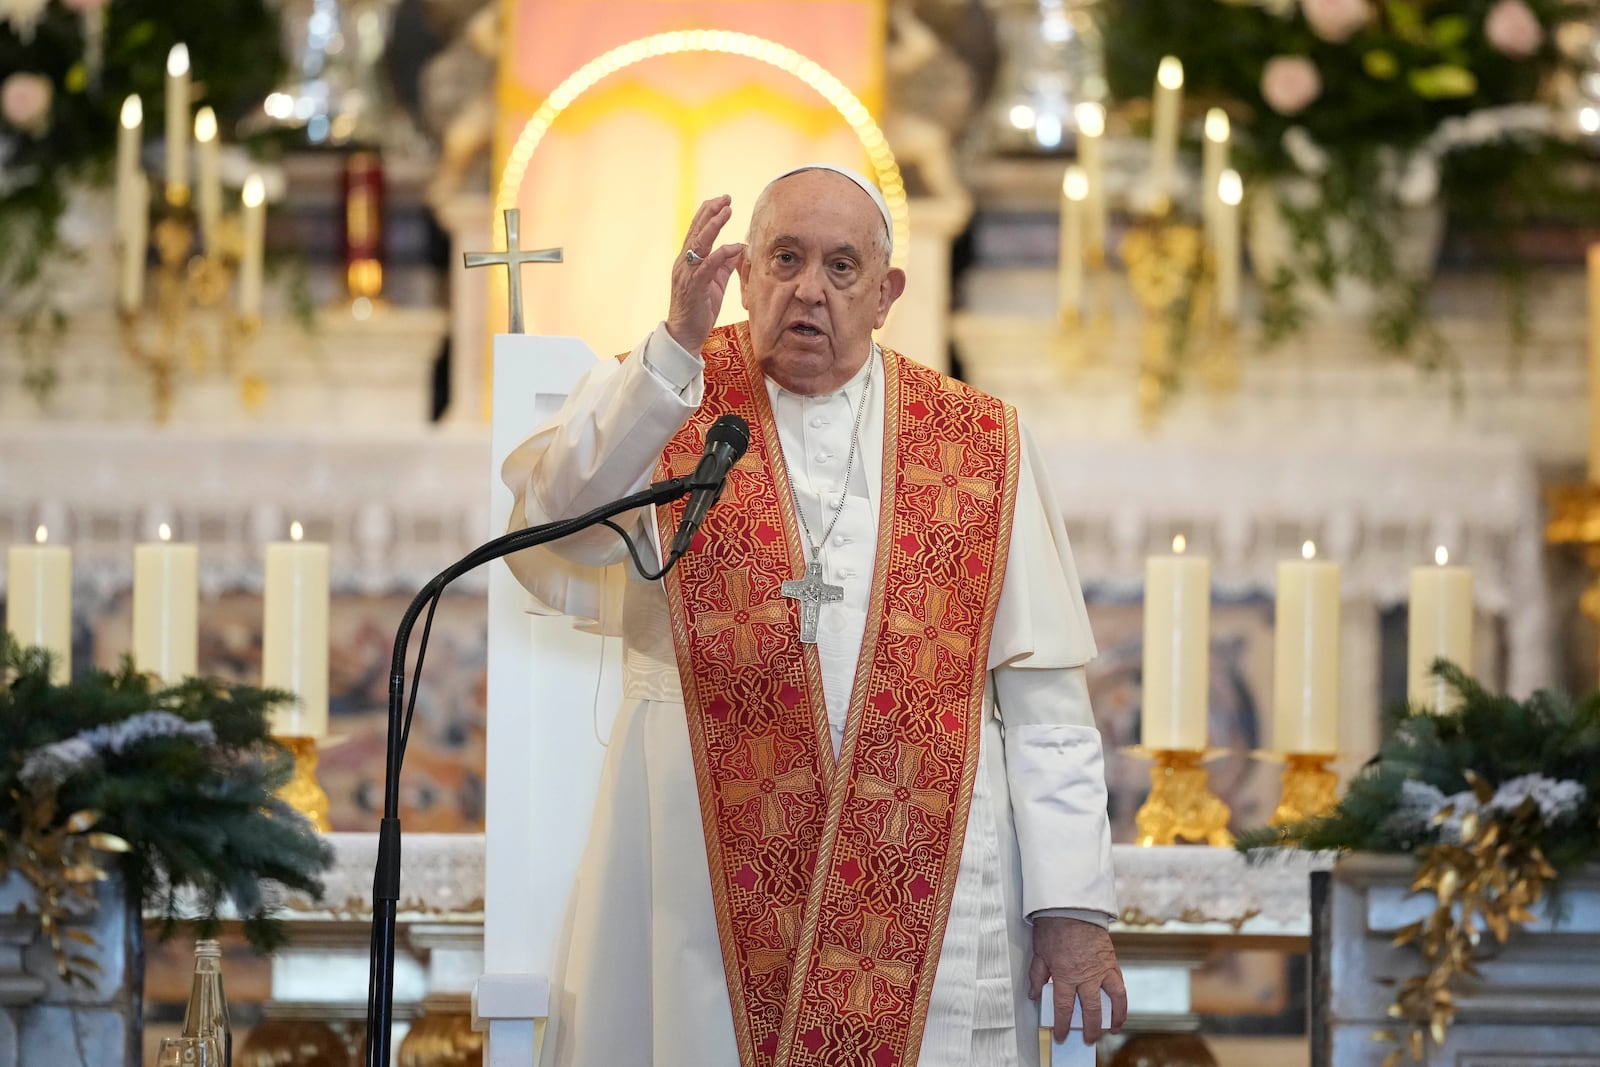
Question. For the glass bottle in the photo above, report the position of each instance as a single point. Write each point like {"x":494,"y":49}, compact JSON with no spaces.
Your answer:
{"x":207,"y":1012}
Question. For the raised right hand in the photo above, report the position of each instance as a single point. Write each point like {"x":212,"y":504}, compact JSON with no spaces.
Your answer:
{"x":698,"y":288}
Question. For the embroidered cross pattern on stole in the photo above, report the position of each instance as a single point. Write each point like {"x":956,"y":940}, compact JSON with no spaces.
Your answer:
{"x":832,"y":879}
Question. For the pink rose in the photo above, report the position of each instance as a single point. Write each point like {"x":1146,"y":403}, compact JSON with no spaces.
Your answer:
{"x":1336,"y":20}
{"x":25,"y":102}
{"x":1290,"y":83}
{"x":84,"y":7}
{"x":1513,"y":29}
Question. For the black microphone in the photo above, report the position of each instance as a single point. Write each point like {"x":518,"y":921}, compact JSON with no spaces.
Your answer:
{"x":726,"y":442}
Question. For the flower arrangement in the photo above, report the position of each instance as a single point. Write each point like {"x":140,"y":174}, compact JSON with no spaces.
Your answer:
{"x":1361,"y":111}
{"x":1496,"y":799}
{"x":173,"y":789}
{"x":65,"y":68}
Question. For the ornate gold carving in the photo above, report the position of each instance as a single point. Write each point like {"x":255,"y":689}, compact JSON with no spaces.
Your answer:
{"x":1309,"y":789}
{"x":1181,"y":803}
{"x":440,"y":1039}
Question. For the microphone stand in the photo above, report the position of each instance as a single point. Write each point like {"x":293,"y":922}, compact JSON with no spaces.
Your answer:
{"x":386,"y":876}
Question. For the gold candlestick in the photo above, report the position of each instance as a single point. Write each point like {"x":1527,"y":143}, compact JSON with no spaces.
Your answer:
{"x":1181,"y":803}
{"x":1310,"y":790}
{"x":303,"y":792}
{"x":1575,"y":520}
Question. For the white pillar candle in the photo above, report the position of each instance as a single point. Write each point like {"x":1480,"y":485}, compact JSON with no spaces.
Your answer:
{"x":1440,"y":627}
{"x":1167,"y":108}
{"x":208,"y":175}
{"x":1091,"y":119}
{"x":166,"y":595}
{"x":1230,"y":193}
{"x":130,"y":128}
{"x":177,"y":131}
{"x":1306,"y":656}
{"x":130,"y":283}
{"x":294,"y":653}
{"x":1069,"y":276}
{"x":39,"y":600}
{"x":254,"y":226}
{"x":1177,"y":647}
{"x":1213,"y":161}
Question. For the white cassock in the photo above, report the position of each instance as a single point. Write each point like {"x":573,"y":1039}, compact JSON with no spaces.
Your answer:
{"x":639,"y":976}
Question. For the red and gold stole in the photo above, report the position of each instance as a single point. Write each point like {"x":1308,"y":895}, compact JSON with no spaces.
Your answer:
{"x":832,"y":883}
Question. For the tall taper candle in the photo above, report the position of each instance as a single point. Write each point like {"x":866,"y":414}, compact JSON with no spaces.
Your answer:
{"x":166,"y":594}
{"x":1069,"y":276}
{"x":1440,"y":627}
{"x":1230,"y":191}
{"x":1594,"y":363}
{"x":130,"y":284}
{"x":1091,"y":120}
{"x":130,"y":128}
{"x":39,"y":600}
{"x":294,"y":654}
{"x":1168,"y":108}
{"x":1213,"y":161}
{"x":177,"y":131}
{"x":208,"y":175}
{"x":254,"y":199}
{"x":1305,"y":710}
{"x":1177,"y":644}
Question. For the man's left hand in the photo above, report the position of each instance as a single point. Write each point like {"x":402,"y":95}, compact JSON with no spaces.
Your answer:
{"x":1078,"y":957}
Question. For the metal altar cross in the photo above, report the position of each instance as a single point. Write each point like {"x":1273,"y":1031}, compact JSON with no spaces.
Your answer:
{"x":512,"y":259}
{"x":812,"y":592}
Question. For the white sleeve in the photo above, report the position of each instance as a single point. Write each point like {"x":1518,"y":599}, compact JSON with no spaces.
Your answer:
{"x":1055,"y":767}
{"x":603,"y":444}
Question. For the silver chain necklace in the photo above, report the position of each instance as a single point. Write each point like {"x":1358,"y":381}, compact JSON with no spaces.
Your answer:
{"x":811,"y":590}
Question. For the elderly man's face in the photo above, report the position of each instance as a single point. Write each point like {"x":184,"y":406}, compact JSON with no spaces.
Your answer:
{"x":815,"y":281}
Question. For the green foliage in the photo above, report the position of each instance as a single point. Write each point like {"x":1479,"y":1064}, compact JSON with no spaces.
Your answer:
{"x":1489,"y":736}
{"x":197,"y":811}
{"x":237,"y":57}
{"x":1378,"y":122}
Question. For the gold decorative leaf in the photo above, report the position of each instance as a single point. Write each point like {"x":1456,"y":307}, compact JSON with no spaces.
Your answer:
{"x":79,"y":821}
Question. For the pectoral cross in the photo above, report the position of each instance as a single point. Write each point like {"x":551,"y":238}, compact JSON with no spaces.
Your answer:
{"x":812,"y":592}
{"x":513,"y":258}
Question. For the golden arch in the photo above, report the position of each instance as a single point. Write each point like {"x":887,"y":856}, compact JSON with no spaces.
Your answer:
{"x":829,"y":87}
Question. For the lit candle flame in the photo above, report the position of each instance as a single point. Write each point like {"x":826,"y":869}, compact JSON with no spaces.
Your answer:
{"x":1441,"y":555}
{"x":1217,"y":125}
{"x":1308,"y":550}
{"x":205,"y":125}
{"x":1076,"y":183}
{"x":164,"y":532}
{"x":178,"y":61}
{"x":1170,"y":72}
{"x":296,"y":531}
{"x":1179,"y":543}
{"x":1023,"y":117}
{"x":41,"y":535}
{"x":1091,"y":119}
{"x":1589,"y":120}
{"x":255,"y":191}
{"x":132,"y":112}
{"x":1230,"y":188}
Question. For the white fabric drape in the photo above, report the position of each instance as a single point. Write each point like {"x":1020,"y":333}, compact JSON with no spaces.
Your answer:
{"x":639,"y":979}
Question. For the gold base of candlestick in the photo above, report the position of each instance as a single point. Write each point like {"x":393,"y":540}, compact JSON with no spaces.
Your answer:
{"x":1310,"y":790}
{"x":303,"y":792}
{"x":1575,"y":520}
{"x":1181,"y":803}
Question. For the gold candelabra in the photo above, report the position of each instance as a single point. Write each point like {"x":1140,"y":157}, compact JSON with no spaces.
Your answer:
{"x":1181,"y":803}
{"x":192,"y":323}
{"x":1172,"y":276}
